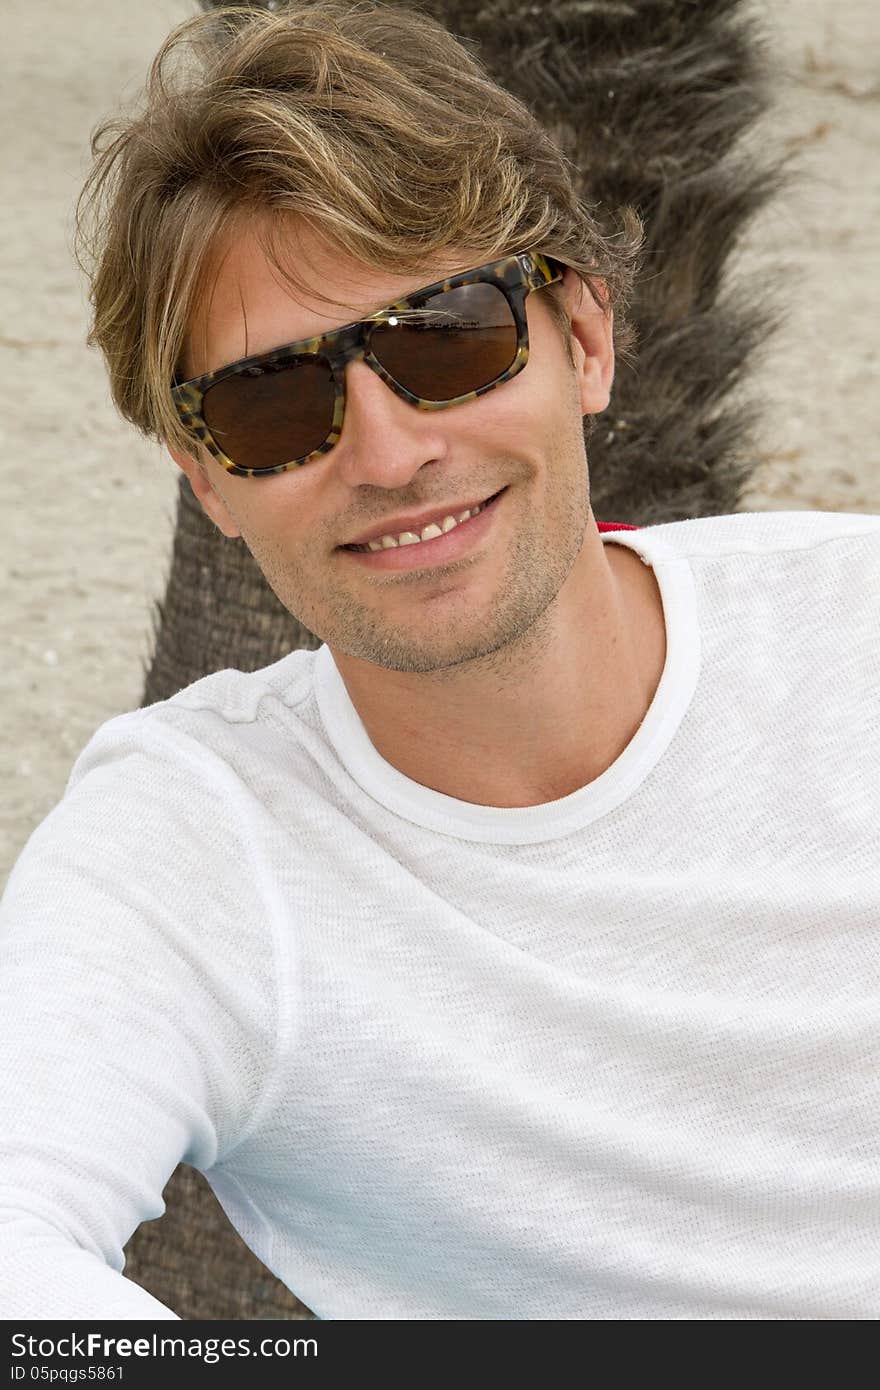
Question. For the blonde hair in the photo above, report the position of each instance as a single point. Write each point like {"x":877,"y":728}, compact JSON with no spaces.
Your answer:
{"x":371,"y":123}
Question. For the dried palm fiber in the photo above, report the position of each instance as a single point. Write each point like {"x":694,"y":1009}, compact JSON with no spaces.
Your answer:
{"x":652,"y":102}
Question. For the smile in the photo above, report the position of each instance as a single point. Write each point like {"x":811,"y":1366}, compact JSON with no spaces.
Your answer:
{"x":438,"y":546}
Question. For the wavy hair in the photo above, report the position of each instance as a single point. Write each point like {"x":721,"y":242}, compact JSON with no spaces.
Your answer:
{"x":373,"y":124}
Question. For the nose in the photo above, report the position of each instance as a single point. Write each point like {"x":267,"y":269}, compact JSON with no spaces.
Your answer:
{"x":385,"y":440}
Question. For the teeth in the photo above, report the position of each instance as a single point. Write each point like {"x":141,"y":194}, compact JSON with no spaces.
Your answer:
{"x":427,"y":533}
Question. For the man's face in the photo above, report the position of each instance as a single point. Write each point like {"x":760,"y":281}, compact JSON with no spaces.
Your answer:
{"x":525,"y":437}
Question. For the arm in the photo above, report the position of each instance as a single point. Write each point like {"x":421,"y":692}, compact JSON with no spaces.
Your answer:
{"x":128,"y":1033}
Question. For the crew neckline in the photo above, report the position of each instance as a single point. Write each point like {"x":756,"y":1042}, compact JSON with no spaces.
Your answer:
{"x":519,"y":825}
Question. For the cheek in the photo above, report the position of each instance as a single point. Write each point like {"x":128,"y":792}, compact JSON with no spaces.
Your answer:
{"x":513,"y":415}
{"x":536,"y":414}
{"x":266,"y":506}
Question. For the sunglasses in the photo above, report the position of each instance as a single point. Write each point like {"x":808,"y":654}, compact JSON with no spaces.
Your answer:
{"x":442,"y":345}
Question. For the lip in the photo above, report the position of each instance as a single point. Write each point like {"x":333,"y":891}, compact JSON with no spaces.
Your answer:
{"x":437,"y":551}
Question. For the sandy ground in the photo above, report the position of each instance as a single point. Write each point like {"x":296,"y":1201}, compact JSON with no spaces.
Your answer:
{"x":88,"y":505}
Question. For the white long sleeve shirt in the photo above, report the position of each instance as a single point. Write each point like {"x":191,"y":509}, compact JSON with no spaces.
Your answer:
{"x":612,"y":1057}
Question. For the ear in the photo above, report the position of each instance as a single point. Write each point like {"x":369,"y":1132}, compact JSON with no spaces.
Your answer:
{"x":592,"y":340}
{"x":213,"y":505}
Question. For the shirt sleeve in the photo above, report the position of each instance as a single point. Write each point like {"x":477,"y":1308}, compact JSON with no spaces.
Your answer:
{"x":137,"y":1013}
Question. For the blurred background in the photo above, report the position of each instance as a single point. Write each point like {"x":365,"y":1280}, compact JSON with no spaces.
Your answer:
{"x":88,"y":506}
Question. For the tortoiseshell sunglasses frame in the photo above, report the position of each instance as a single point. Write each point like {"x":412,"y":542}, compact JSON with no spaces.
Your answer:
{"x":516,"y":276}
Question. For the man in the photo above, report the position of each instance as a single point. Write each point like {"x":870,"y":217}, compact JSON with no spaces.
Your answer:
{"x":513,"y":954}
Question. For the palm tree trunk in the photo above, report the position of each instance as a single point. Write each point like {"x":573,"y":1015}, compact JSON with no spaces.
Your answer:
{"x":650,"y":101}
{"x":218,"y":610}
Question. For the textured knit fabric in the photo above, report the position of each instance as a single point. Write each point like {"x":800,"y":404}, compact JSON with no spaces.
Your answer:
{"x":612,"y":1057}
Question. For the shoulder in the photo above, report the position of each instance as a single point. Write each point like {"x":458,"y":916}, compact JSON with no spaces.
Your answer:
{"x":759,"y":532}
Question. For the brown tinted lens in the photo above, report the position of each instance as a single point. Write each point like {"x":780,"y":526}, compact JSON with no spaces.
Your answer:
{"x":272,"y":414}
{"x":458,"y":341}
